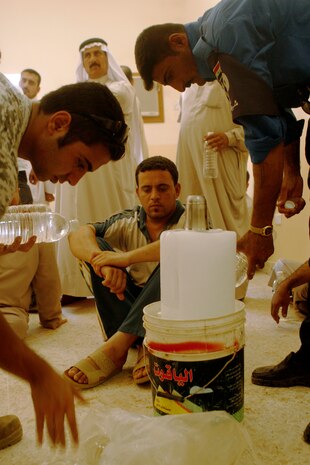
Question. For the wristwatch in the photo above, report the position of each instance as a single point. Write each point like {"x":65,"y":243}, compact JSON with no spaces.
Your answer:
{"x":266,"y":231}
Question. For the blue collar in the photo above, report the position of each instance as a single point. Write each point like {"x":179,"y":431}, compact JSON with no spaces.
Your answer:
{"x":200,"y":48}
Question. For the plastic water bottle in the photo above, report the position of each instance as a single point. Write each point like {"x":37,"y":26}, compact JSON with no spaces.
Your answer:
{"x":28,"y":208}
{"x":47,"y":226}
{"x":278,"y":279}
{"x":196,"y":213}
{"x":210,"y":168}
{"x":241,"y":268}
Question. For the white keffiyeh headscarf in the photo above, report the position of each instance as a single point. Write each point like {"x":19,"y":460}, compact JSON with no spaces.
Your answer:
{"x":115,"y":73}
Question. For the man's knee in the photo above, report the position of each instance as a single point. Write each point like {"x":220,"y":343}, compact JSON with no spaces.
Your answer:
{"x":17,"y":318}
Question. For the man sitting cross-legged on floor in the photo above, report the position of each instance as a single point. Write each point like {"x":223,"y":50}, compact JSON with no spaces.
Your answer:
{"x":123,"y":256}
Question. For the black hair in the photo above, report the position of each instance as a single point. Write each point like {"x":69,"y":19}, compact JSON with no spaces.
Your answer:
{"x":152,"y":46}
{"x":32,"y":71}
{"x":96,"y":115}
{"x":158,"y":163}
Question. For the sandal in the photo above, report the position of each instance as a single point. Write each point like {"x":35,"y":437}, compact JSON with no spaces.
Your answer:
{"x":95,"y":376}
{"x":142,"y":362}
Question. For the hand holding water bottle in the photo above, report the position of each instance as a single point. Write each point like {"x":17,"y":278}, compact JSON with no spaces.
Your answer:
{"x":214,"y":143}
{"x":217,"y":140}
{"x":257,"y":250}
{"x":20,"y":230}
{"x":17,"y":245}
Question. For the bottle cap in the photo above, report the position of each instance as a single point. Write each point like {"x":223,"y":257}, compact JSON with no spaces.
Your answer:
{"x":196,"y":213}
{"x":289,"y":204}
{"x":74,"y":225}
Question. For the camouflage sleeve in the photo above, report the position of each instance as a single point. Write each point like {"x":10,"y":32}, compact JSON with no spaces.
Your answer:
{"x":8,"y":154}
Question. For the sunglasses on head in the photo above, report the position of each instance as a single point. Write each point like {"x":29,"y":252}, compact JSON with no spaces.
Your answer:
{"x":116,"y":132}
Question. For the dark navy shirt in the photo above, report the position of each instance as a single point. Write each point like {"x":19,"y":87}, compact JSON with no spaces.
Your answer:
{"x":271,"y":38}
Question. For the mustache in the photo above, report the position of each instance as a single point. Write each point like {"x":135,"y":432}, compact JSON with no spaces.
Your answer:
{"x":95,"y":63}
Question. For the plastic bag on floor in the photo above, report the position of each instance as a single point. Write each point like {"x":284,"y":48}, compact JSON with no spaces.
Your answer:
{"x":116,"y":437}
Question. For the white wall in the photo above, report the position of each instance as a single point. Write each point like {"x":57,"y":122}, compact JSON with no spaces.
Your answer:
{"x":46,"y":35}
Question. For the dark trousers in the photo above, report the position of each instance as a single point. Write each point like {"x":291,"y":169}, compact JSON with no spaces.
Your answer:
{"x":304,"y":334}
{"x":124,"y":315}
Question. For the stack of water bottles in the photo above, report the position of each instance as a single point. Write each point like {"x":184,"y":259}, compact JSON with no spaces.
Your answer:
{"x":196,"y":219}
{"x":30,"y":220}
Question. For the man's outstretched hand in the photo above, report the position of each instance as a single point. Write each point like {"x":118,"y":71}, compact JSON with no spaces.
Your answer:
{"x":257,"y":248}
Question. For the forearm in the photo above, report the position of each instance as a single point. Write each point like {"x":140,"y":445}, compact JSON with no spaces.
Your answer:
{"x":147,"y":253}
{"x":236,"y":138}
{"x":267,"y":184}
{"x":16,"y":357}
{"x":292,"y":158}
{"x":299,"y":277}
{"x":83,"y":243}
{"x":281,"y":298}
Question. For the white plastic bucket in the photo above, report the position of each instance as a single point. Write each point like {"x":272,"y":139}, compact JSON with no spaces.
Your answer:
{"x":196,"y":365}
